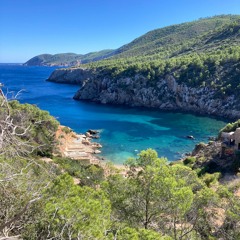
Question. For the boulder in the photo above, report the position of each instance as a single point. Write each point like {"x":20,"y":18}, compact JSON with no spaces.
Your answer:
{"x":93,"y":132}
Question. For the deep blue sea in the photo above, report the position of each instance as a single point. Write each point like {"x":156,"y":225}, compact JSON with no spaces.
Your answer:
{"x":125,"y":131}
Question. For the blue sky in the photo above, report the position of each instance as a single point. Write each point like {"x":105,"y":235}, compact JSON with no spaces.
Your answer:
{"x":32,"y":27}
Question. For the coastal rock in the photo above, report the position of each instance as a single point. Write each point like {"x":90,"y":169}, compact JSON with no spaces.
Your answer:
{"x":95,"y":136}
{"x":71,"y":76}
{"x":75,"y":146}
{"x":165,"y":94}
{"x":88,"y":135}
{"x":96,"y":145}
{"x":86,"y":142}
{"x":91,"y":131}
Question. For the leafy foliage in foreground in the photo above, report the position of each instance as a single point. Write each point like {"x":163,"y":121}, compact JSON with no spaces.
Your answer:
{"x":90,"y":174}
{"x":153,"y":200}
{"x":42,"y":126}
{"x":71,"y":212}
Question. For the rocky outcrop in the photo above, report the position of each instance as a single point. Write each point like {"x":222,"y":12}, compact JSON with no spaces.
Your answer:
{"x":71,"y":76}
{"x":76,"y":146}
{"x":165,"y":93}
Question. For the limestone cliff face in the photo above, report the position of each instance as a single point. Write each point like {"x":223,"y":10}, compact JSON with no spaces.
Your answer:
{"x":71,"y":76}
{"x":164,"y":94}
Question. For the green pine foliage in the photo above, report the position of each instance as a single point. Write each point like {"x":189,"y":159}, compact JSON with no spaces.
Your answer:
{"x":203,"y":53}
{"x":230,"y":127}
{"x":42,"y":126}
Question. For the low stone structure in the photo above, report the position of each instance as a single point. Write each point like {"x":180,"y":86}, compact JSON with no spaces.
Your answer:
{"x":230,"y":142}
{"x":77,"y":146}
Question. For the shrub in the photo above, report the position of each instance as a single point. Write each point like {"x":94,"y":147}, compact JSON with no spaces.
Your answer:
{"x":189,"y":160}
{"x":66,"y":130}
{"x":211,"y":178}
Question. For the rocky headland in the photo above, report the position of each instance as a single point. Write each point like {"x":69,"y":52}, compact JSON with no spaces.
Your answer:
{"x":138,"y":91}
{"x":77,"y":76}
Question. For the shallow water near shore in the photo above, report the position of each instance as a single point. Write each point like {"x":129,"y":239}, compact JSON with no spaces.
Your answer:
{"x":124,"y":131}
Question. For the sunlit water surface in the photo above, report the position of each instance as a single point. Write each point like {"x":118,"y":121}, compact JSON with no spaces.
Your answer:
{"x":124,"y":131}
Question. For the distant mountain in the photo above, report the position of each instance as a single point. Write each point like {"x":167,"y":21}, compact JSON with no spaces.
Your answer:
{"x":66,"y":59}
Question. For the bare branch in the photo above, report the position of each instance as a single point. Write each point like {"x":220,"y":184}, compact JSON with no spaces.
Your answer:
{"x":18,"y":215}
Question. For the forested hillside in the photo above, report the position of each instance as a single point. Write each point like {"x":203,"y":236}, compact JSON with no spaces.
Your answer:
{"x":160,"y":43}
{"x":172,"y":40}
{"x":204,"y":52}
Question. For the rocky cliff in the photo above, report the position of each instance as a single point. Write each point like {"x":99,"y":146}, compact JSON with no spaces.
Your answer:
{"x":165,"y":94}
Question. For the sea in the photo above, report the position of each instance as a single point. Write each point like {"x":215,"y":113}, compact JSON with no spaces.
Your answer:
{"x":124,"y":131}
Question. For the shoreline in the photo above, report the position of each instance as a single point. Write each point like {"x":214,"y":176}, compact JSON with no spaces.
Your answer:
{"x":77,"y":146}
{"x":80,"y":147}
{"x":154,"y":109}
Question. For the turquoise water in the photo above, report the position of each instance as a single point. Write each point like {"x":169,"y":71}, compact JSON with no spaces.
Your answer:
{"x":124,"y":131}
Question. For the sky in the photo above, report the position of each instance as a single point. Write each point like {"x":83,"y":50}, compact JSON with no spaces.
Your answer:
{"x":32,"y":27}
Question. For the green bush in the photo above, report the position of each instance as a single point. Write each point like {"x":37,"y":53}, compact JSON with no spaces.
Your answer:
{"x":89,"y":174}
{"x":40,"y":127}
{"x":66,"y":130}
{"x":189,"y":160}
{"x":230,"y":127}
{"x":211,"y":178}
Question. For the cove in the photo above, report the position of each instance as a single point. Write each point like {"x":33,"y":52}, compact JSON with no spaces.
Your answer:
{"x":124,"y":131}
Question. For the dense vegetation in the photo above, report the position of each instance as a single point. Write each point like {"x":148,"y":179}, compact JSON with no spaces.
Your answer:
{"x":150,"y":200}
{"x":175,"y":39}
{"x":202,"y":53}
{"x":41,"y":126}
{"x":231,"y":127}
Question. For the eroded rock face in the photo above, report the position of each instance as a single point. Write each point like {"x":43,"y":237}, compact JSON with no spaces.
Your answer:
{"x":167,"y":94}
{"x":164,"y":94}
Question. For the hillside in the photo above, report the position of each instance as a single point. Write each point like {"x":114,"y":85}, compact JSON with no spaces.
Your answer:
{"x":165,"y":42}
{"x":66,"y":59}
{"x":197,"y":71}
{"x":172,"y":40}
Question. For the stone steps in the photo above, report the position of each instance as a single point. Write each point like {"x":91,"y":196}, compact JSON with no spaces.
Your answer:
{"x":75,"y":154}
{"x":72,"y":149}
